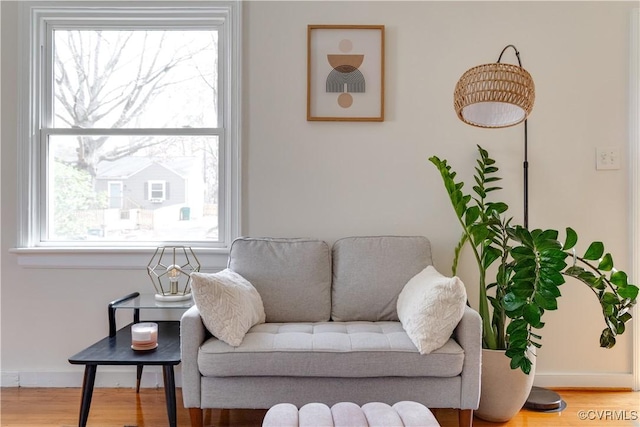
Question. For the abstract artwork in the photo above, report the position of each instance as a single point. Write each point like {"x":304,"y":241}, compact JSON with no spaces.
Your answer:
{"x":345,"y":73}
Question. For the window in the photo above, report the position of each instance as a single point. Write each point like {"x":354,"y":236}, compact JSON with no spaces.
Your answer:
{"x":128,"y":103}
{"x":156,"y":193}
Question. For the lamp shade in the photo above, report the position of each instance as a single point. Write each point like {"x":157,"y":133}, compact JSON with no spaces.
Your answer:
{"x":494,"y":95}
{"x":170,"y":271}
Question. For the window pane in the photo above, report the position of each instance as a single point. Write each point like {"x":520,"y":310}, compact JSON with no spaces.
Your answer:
{"x":135,"y":79}
{"x":135,"y":189}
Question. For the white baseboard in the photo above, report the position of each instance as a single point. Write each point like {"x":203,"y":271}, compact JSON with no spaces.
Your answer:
{"x":9,"y":379}
{"x":105,"y":377}
{"x":152,"y":377}
{"x":585,"y":380}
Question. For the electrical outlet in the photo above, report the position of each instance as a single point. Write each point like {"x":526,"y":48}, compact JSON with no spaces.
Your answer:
{"x":607,"y":158}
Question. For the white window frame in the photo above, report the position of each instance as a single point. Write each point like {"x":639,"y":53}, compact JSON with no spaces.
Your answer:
{"x":163,"y":184}
{"x":31,"y":249}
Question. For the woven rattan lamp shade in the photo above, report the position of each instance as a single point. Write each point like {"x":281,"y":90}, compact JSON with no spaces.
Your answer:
{"x":494,"y":95}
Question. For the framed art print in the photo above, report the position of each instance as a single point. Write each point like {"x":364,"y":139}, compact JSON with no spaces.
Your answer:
{"x":345,"y":73}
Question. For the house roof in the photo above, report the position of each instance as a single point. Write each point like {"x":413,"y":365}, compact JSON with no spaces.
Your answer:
{"x":128,"y":166}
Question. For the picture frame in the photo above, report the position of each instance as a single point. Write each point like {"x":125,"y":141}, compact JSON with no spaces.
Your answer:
{"x":345,"y":73}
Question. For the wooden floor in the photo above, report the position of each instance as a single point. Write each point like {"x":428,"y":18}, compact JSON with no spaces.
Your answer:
{"x":58,"y":407}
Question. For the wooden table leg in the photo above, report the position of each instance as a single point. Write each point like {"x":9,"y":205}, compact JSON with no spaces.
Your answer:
{"x":87,"y":393}
{"x":170,"y":393}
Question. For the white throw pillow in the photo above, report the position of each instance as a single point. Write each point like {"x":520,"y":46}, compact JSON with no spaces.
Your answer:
{"x":229,"y":305}
{"x":430,"y":306}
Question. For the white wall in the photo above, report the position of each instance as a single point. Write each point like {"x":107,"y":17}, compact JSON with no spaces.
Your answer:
{"x":330,"y":179}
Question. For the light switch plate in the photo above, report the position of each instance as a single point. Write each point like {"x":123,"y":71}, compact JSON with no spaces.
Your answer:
{"x":607,"y":158}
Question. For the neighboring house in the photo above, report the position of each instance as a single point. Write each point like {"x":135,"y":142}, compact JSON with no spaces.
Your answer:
{"x":172,"y":188}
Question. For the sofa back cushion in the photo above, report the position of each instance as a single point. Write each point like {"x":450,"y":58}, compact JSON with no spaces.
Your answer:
{"x":370,"y":272}
{"x":292,"y":276}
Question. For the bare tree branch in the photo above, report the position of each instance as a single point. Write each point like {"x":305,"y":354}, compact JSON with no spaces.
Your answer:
{"x":98,"y":92}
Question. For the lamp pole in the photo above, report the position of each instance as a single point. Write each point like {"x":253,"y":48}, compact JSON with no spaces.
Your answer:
{"x":525,"y":164}
{"x":525,"y":167}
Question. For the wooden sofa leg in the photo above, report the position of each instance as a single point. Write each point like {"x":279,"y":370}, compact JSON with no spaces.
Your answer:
{"x":465,"y":417}
{"x":196,"y":417}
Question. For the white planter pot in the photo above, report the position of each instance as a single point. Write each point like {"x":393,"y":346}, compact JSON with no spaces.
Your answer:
{"x":503,"y":390}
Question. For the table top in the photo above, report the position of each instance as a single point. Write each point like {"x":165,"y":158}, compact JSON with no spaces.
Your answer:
{"x":117,"y":350}
{"x":146,"y":301}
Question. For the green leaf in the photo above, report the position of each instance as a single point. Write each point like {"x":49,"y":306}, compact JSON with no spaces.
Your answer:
{"x":571,"y":240}
{"x":608,"y":309}
{"x":619,"y":278}
{"x":471,"y":215}
{"x":556,"y":264}
{"x":525,"y":365}
{"x":548,"y":235}
{"x":489,"y":256}
{"x":479,"y":232}
{"x":490,"y":189}
{"x":628,"y":292}
{"x":523,"y":289}
{"x":546,"y":302}
{"x":532,"y":314}
{"x":516,"y":325}
{"x":547,"y":244}
{"x":513,"y":351}
{"x":594,"y":252}
{"x":609,"y":298}
{"x":607,"y":339}
{"x":524,"y":273}
{"x":518,"y":338}
{"x":551,"y":276}
{"x":479,"y":191}
{"x":511,"y":302}
{"x":456,"y":253}
{"x":585,"y":276}
{"x":497,"y":207}
{"x":606,"y":263}
{"x":599,"y":284}
{"x":522,"y":235}
{"x":550,"y":288}
{"x":555,"y":253}
{"x":625,"y":317}
{"x":520,"y":252}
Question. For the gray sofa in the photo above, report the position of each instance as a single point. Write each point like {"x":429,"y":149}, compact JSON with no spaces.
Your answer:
{"x":331,"y":334}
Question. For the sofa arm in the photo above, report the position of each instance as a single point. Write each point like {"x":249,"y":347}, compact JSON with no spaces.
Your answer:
{"x":468,"y":334}
{"x":192,"y":335}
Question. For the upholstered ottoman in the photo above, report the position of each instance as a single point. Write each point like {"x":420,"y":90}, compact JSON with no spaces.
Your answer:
{"x":347,"y":414}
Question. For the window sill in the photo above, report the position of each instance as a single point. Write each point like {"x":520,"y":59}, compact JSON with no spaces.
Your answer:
{"x":121,"y":258}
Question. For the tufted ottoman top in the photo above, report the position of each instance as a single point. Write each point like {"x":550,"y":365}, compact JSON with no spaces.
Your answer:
{"x":347,"y":414}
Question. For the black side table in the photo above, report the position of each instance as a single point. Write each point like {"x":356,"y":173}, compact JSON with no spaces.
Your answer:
{"x":116,"y":350}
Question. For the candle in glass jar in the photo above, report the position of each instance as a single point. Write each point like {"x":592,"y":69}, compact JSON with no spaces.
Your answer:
{"x":144,"y":336}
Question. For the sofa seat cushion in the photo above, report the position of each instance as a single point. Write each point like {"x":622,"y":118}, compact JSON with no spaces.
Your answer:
{"x":328,"y":349}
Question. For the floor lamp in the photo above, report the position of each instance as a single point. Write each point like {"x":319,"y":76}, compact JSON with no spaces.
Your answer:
{"x":500,"y":95}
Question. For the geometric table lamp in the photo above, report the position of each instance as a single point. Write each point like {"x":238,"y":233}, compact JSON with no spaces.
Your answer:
{"x":170,"y":271}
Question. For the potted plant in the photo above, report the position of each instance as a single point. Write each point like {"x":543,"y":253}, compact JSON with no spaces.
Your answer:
{"x":529,"y":267}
